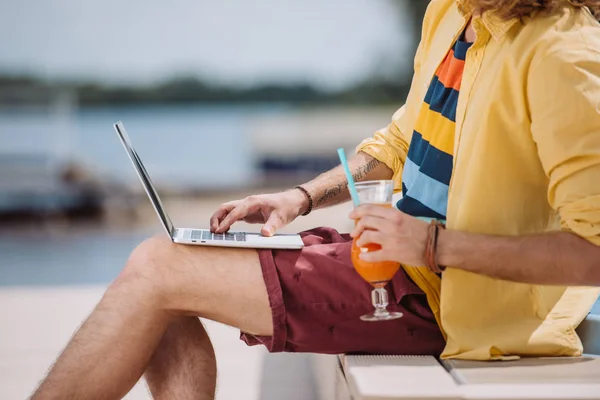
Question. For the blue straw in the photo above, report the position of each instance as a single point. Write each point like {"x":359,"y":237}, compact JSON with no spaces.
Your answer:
{"x":351,"y":187}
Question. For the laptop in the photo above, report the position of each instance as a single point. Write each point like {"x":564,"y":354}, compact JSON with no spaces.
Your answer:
{"x":201,"y":237}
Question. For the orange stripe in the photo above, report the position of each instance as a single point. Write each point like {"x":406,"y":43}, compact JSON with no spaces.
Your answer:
{"x":450,"y":72}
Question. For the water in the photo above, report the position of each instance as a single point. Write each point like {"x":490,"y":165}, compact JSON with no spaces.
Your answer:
{"x":199,"y":146}
{"x":75,"y":259}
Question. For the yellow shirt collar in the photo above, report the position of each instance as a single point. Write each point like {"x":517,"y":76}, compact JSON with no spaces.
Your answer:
{"x":496,"y":26}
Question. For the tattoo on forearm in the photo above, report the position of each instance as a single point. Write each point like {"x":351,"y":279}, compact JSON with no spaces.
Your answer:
{"x":362,"y":172}
{"x":330,"y":193}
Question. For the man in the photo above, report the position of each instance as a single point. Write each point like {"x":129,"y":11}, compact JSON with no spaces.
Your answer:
{"x":512,"y":165}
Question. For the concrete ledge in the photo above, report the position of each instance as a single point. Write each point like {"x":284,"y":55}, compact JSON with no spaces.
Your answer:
{"x":539,"y":388}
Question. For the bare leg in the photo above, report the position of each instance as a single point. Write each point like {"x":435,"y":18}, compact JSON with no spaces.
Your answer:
{"x":160,"y":283}
{"x":183,"y":366}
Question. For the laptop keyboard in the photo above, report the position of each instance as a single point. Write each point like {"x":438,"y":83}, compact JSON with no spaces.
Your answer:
{"x":208,"y":235}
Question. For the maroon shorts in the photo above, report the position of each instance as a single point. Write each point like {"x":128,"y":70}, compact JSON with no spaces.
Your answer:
{"x":317,"y":298}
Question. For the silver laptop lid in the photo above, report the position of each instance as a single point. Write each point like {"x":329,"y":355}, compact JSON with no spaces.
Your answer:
{"x":145,"y":179}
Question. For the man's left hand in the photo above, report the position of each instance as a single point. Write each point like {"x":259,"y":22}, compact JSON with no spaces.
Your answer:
{"x":402,"y":237}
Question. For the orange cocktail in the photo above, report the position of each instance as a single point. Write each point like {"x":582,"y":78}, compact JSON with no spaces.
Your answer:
{"x":378,"y":273}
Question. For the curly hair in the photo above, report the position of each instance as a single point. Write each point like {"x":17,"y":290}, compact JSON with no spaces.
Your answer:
{"x":523,"y":8}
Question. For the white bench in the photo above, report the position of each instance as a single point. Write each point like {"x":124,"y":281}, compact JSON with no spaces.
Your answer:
{"x":540,"y":379}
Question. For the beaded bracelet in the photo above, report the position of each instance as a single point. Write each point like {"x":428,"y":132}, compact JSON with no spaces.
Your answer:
{"x":310,"y":200}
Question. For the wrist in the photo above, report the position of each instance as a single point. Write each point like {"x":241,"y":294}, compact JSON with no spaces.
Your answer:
{"x":300,"y":200}
{"x":448,"y":253}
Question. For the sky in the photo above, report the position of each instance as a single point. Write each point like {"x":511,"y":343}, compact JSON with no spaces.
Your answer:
{"x":330,"y":43}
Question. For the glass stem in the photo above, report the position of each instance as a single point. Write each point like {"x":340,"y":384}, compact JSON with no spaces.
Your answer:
{"x":379,"y":297}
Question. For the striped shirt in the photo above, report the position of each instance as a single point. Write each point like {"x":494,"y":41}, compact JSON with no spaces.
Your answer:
{"x":428,"y":166}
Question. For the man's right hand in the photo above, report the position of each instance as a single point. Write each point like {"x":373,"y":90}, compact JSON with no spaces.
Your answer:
{"x":273,"y":210}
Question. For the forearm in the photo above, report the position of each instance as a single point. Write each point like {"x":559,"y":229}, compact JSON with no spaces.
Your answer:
{"x":558,"y":258}
{"x":331,"y":187}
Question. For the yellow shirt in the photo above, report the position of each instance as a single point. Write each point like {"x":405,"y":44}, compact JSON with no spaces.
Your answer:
{"x":527,"y":160}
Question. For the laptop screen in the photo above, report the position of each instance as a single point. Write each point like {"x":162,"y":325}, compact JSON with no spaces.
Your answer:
{"x":145,"y":179}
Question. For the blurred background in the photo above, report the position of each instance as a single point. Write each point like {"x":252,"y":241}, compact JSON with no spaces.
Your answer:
{"x":221,"y":99}
{"x":217,"y":98}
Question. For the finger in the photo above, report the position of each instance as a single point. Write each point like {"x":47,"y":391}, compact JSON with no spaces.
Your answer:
{"x":375,"y":256}
{"x":218,"y":216}
{"x":375,"y":211}
{"x":366,"y":223}
{"x":234,"y":215}
{"x":274,"y":223}
{"x":369,"y":237}
{"x":370,"y":223}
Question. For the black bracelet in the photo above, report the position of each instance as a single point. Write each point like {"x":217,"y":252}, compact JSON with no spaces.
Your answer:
{"x":310,"y":200}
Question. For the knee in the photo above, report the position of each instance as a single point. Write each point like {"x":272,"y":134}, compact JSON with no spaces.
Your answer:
{"x":148,"y":264}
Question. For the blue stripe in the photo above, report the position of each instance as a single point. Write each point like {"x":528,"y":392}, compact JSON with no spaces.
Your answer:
{"x":410,"y":174}
{"x":416,"y":208}
{"x":438,"y":165}
{"x":421,"y":187}
{"x":418,"y":148}
{"x":432,"y":86}
{"x":460,"y":49}
{"x":441,"y":99}
{"x":432,"y":162}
